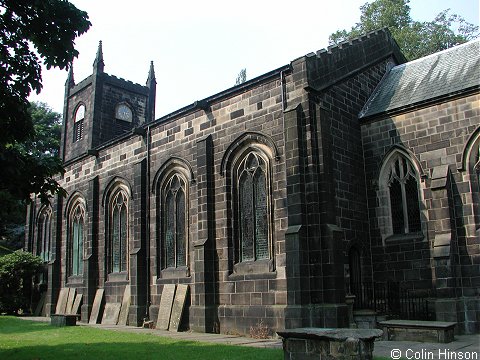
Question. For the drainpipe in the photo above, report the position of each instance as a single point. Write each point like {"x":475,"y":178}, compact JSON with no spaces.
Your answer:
{"x":147,"y":222}
{"x":284,"y":90}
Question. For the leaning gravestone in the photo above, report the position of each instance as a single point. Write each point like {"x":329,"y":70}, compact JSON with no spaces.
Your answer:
{"x":178,"y":305}
{"x":165,"y":309}
{"x":110,"y":315}
{"x":123,"y":317}
{"x":71,"y":298}
{"x":76,"y":304}
{"x":62,"y":301}
{"x":97,"y":302}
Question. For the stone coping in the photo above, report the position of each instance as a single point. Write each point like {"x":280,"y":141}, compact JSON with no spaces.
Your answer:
{"x":341,"y":334}
{"x":417,"y":324}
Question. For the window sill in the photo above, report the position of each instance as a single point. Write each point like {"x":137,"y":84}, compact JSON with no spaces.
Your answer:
{"x":75,"y":279}
{"x":175,"y":273}
{"x":254,"y":267}
{"x":117,"y":277}
{"x":416,"y":236}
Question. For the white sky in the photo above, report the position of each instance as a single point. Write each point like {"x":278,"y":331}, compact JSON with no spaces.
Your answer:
{"x":199,"y":47}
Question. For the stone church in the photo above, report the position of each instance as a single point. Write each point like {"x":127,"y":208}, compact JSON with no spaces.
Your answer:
{"x":346,"y":176}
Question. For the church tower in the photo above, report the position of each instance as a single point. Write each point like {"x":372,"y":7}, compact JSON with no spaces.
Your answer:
{"x":103,"y":107}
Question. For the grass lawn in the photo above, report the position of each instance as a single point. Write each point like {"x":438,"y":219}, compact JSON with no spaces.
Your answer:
{"x":21,"y":339}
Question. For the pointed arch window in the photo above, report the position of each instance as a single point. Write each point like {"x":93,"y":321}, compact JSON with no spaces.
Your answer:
{"x":79,"y":123}
{"x":76,"y":241}
{"x":44,"y":234}
{"x":175,"y":224}
{"x":403,"y":189}
{"x":252,"y":209}
{"x":472,"y":160}
{"x":118,"y":254}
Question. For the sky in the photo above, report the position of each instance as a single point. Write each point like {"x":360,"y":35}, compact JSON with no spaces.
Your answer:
{"x":199,"y":47}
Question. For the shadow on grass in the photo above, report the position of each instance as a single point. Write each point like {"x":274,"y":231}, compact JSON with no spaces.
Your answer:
{"x":23,"y":339}
{"x":138,"y":350}
{"x":13,"y":325}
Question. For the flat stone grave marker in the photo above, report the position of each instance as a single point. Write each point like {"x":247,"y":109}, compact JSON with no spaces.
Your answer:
{"x":71,"y":298}
{"x":177,"y":308}
{"x":62,"y":301}
{"x":110,"y":315}
{"x":76,"y":304}
{"x":123,"y":317}
{"x":97,"y":302}
{"x":165,"y":309}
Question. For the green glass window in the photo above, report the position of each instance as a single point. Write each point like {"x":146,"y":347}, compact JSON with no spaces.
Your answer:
{"x":76,"y":243}
{"x":44,"y":234}
{"x":253,"y":209}
{"x":174,"y":243}
{"x":119,"y":233}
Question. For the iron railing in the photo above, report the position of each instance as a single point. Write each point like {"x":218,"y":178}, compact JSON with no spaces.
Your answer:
{"x":392,"y":300}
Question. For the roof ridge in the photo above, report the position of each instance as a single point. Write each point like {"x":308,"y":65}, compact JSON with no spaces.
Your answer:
{"x":439,"y":53}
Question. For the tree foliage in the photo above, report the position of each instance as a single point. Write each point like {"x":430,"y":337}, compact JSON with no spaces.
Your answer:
{"x":16,"y":273}
{"x":47,"y":126}
{"x":40,"y":150}
{"x":415,"y":38}
{"x":241,"y":77}
{"x":31,"y":32}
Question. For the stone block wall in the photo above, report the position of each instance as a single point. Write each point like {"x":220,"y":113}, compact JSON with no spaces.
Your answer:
{"x":322,"y":169}
{"x":115,"y":91}
{"x":79,"y":94}
{"x":437,"y":137}
{"x":198,"y":141}
{"x":340,"y":80}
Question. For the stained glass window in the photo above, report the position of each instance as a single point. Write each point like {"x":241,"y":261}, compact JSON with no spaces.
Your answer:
{"x":44,"y":234}
{"x":119,"y":233}
{"x":253,"y":209}
{"x":175,"y":223}
{"x":76,"y":241}
{"x":404,"y":201}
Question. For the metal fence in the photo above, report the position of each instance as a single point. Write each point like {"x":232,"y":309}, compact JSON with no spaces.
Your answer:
{"x":392,"y":300}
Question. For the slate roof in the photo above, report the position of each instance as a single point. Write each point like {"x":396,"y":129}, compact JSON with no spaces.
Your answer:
{"x":442,"y":74}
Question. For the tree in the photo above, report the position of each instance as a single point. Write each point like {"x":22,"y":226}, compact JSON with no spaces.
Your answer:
{"x":42,"y":148}
{"x":31,"y":32}
{"x":47,"y":126}
{"x":241,"y":77}
{"x":16,"y":272}
{"x":415,"y":38}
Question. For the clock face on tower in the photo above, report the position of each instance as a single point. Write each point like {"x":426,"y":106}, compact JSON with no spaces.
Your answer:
{"x":124,"y":113}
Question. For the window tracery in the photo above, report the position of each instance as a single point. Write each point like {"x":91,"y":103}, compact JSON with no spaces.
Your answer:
{"x":175,"y":224}
{"x":252,"y":209}
{"x":76,"y":241}
{"x":44,"y":234}
{"x":118,"y":232}
{"x":403,"y":189}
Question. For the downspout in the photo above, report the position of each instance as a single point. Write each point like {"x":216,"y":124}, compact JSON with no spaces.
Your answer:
{"x":147,"y":222}
{"x":284,"y":91}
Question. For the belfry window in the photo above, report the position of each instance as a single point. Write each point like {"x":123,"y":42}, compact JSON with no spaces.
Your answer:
{"x":403,"y":191}
{"x":78,"y":125}
{"x":252,"y":209}
{"x":76,"y":243}
{"x":175,"y":223}
{"x":118,"y":232}
{"x":44,"y":234}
